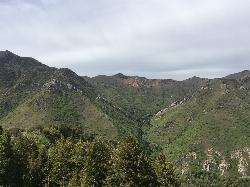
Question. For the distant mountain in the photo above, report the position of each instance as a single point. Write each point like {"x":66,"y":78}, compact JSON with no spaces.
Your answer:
{"x":192,"y":121}
{"x":33,"y":95}
{"x":142,"y":97}
{"x":212,"y":127}
{"x":198,"y":120}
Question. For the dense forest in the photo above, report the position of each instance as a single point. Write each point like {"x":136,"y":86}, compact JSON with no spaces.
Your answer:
{"x":64,"y":156}
{"x":61,"y":129}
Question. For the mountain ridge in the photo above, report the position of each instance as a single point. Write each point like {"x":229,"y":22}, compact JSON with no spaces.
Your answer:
{"x":34,"y":88}
{"x":196,"y":116}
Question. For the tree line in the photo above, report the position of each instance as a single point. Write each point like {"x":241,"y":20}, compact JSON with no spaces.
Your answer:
{"x":48,"y":158}
{"x":64,"y":156}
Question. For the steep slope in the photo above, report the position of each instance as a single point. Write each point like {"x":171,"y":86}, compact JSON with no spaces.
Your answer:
{"x":141,"y":97}
{"x":201,"y":122}
{"x":33,"y":94}
{"x":212,"y":127}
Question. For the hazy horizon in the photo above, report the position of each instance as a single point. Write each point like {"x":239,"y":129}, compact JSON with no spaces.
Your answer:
{"x":150,"y":38}
{"x":135,"y":75}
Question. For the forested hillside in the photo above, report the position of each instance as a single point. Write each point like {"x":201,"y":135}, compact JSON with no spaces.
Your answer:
{"x":61,"y":129}
{"x":34,"y":95}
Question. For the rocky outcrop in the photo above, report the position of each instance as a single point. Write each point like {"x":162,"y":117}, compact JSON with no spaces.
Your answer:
{"x":172,"y":105}
{"x":216,"y":160}
{"x":57,"y":86}
{"x":243,"y":157}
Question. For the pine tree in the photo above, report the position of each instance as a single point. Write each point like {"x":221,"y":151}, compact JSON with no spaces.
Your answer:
{"x":165,"y":172}
{"x":97,"y":163}
{"x":26,"y":167}
{"x":131,"y":166}
{"x":5,"y":157}
{"x":60,"y":159}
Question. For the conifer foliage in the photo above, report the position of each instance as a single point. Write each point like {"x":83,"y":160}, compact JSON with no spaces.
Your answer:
{"x":5,"y":156}
{"x":30,"y":158}
{"x":131,"y":166}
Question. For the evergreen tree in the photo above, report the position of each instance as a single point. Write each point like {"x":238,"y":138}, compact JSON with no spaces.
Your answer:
{"x":26,"y":168}
{"x":165,"y":172}
{"x":5,"y":158}
{"x":131,"y":167}
{"x":97,"y":163}
{"x":61,"y":166}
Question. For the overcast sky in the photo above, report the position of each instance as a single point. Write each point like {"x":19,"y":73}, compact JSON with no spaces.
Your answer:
{"x":153,"y":38}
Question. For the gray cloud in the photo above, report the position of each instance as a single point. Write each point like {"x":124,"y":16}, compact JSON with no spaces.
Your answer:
{"x":154,"y":38}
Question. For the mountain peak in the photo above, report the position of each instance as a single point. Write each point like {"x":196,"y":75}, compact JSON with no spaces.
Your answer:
{"x":194,"y":78}
{"x":6,"y":53}
{"x":120,"y":75}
